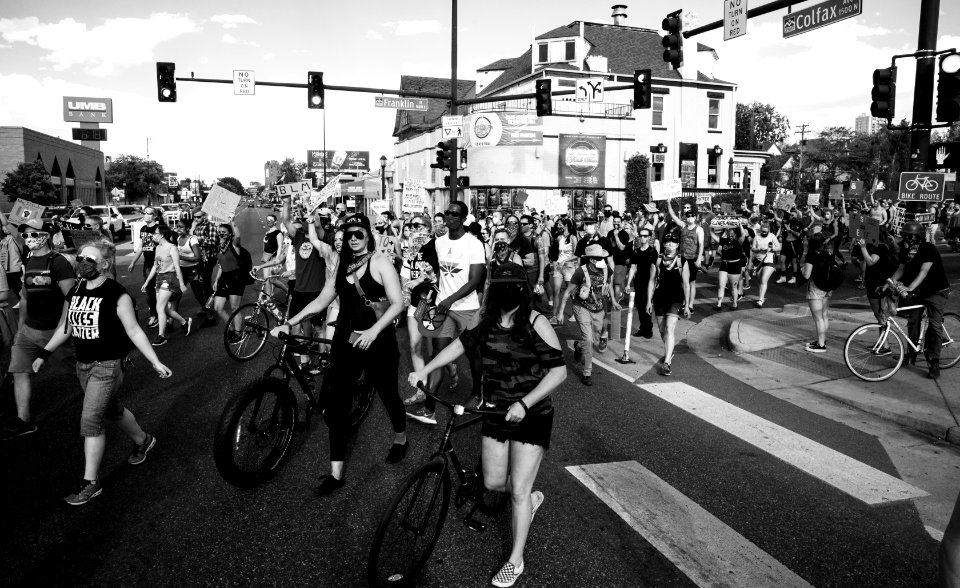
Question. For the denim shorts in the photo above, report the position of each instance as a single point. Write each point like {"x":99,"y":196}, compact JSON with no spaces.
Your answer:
{"x":101,"y":382}
{"x":26,"y":348}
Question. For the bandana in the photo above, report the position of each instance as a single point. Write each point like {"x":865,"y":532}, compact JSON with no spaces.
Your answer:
{"x":358,"y":262}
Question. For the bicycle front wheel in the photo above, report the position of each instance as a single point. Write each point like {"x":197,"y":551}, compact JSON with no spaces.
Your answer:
{"x":410,"y":527}
{"x":245,"y":344}
{"x":362,"y":400}
{"x":873,"y":352}
{"x":950,"y":349}
{"x":254,"y":432}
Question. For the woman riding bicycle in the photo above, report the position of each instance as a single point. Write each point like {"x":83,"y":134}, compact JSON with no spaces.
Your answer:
{"x":522,"y":366}
{"x":361,"y":341}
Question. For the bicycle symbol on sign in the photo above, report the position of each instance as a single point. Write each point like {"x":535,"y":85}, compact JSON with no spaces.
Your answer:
{"x":924,"y":183}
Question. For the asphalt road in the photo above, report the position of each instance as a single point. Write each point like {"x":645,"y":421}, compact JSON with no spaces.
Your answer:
{"x":174,"y":521}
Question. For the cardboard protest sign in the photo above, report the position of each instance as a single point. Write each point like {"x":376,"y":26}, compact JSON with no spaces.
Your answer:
{"x":315,"y":199}
{"x":864,"y":227}
{"x":836,"y":191}
{"x":813,"y":199}
{"x":379,"y":207}
{"x":725,"y":221}
{"x":24,"y":210}
{"x":785,"y":201}
{"x":414,"y":198}
{"x":386,"y":245}
{"x":287,"y":190}
{"x":760,"y":195}
{"x":221,"y":204}
{"x":556,"y":203}
{"x":666,"y":189}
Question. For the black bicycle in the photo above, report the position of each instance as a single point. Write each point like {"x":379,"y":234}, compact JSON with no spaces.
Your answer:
{"x":411,"y":525}
{"x":257,"y":318}
{"x":256,"y":428}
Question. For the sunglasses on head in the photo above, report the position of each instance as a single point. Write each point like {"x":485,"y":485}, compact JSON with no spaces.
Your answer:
{"x":34,"y":235}
{"x":87,"y":259}
{"x":512,"y":222}
{"x":357,"y":234}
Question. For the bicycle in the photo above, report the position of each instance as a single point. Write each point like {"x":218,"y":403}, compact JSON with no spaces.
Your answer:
{"x":257,"y":425}
{"x":410,"y":527}
{"x":256,"y":321}
{"x":874,"y":351}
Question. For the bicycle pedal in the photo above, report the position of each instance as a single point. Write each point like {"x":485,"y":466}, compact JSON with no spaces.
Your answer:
{"x":475,"y":525}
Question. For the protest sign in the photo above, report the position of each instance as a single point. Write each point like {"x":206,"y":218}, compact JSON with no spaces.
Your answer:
{"x":315,"y":199}
{"x":785,"y":201}
{"x":813,"y":199}
{"x":760,"y":195}
{"x":836,"y":191}
{"x":725,"y":221}
{"x":386,"y":245}
{"x":666,"y":189}
{"x":864,"y":227}
{"x":287,"y":190}
{"x":726,"y":208}
{"x":221,"y":204}
{"x":414,"y":197}
{"x":556,"y":203}
{"x":24,"y":210}
{"x":76,"y":203}
{"x":379,"y":206}
{"x":703,"y":199}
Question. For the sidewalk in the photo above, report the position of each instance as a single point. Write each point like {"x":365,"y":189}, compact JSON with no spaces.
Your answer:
{"x":768,"y":354}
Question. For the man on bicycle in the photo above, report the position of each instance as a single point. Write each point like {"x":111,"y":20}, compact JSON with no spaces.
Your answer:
{"x":921,"y":271}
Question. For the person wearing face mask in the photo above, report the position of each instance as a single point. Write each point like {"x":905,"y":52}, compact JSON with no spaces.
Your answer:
{"x":590,"y":288}
{"x":146,"y":247}
{"x":97,"y":315}
{"x":732,"y":260}
{"x":606,"y":225}
{"x":591,"y":236}
{"x":764,"y":247}
{"x":522,"y":365}
{"x":691,"y":252}
{"x":665,"y":291}
{"x":921,"y":271}
{"x":47,"y":278}
{"x":792,"y":247}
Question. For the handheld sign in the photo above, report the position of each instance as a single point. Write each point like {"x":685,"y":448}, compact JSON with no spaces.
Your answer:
{"x":813,"y":199}
{"x":760,"y":195}
{"x":221,"y":204}
{"x":24,"y":210}
{"x":785,"y":201}
{"x":414,"y":198}
{"x":725,"y":221}
{"x":666,"y":189}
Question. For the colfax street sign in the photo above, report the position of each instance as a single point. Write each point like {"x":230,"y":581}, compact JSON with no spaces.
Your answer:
{"x":820,"y":15}
{"x":922,"y":186}
{"x":734,"y":19}
{"x":400,"y":103}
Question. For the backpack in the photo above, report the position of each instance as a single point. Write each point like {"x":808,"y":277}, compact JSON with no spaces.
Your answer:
{"x":246,"y":265}
{"x":827,"y":274}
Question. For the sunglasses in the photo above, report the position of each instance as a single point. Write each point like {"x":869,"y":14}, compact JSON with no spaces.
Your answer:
{"x":455,"y":213}
{"x":88,"y":259}
{"x":644,"y":236}
{"x":89,"y":226}
{"x":418,"y":225}
{"x":223,"y":234}
{"x":358,"y":235}
{"x":513,"y":222}
{"x":198,"y":216}
{"x":34,"y":235}
{"x":524,"y":224}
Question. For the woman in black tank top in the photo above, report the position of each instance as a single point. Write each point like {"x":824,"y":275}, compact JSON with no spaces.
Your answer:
{"x":362,"y":342}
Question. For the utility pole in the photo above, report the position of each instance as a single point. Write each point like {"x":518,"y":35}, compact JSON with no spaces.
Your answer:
{"x":454,"y":153}
{"x":803,"y":134}
{"x":923,"y":97}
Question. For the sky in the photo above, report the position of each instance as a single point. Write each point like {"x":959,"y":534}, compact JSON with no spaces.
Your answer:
{"x":109,"y":49}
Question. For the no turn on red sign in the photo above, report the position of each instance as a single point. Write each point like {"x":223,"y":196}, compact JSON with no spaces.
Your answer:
{"x":734,"y":19}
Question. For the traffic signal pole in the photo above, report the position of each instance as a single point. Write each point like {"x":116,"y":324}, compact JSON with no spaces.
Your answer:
{"x":454,"y":152}
{"x":923,"y":94}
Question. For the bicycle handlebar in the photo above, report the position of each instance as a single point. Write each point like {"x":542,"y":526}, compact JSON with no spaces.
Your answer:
{"x":459,"y":409}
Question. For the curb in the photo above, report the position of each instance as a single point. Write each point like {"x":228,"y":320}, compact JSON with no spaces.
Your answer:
{"x":737,"y":346}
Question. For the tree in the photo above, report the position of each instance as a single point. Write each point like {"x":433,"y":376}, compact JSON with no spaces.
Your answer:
{"x":291,"y":171}
{"x":30,"y":181}
{"x":758,"y":124}
{"x":232,"y":184}
{"x":638,"y":190}
{"x":139,"y":178}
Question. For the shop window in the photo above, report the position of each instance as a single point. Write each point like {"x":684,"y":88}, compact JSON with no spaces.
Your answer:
{"x":713,"y":119}
{"x":658,"y":172}
{"x":542,"y":53}
{"x":570,"y":52}
{"x":657,"y":111}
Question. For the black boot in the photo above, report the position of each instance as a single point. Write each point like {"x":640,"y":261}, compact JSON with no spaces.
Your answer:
{"x":934,"y":372}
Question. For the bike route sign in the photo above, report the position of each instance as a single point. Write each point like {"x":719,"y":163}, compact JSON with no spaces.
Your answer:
{"x":922,"y":186}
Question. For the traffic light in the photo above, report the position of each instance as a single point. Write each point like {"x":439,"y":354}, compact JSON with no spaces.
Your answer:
{"x":166,"y":81}
{"x":315,"y":89}
{"x":884,"y":92}
{"x":673,"y":40}
{"x":544,"y":97}
{"x":444,"y":155}
{"x":462,"y":181}
{"x":948,"y":89}
{"x":642,"y":87}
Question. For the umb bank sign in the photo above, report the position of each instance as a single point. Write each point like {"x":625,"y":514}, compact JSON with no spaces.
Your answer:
{"x":92,"y":110}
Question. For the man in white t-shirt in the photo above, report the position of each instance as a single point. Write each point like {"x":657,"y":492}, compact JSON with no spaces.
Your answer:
{"x":461,"y":262}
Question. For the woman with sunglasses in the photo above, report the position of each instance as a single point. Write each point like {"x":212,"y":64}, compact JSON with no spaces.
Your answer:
{"x":169,"y":280}
{"x":361,"y":340}
{"x":522,"y":365}
{"x":98,"y":316}
{"x":229,"y":280}
{"x":188,"y":245}
{"x":562,"y":247}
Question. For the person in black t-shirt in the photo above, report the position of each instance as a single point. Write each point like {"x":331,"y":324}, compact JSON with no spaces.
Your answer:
{"x":144,"y":245}
{"x":98,"y":315}
{"x":921,"y":271}
{"x":643,"y":261}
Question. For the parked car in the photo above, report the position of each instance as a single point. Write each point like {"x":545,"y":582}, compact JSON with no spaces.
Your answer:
{"x":130,"y":213}
{"x":112,"y":219}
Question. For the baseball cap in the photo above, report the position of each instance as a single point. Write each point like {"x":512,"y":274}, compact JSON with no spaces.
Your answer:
{"x":509,"y":273}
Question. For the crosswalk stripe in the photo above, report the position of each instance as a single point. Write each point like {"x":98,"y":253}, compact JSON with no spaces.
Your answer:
{"x":844,"y":473}
{"x":701,"y":546}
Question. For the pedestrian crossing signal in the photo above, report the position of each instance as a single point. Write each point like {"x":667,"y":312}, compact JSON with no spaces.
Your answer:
{"x":315,"y":89}
{"x":166,"y":81}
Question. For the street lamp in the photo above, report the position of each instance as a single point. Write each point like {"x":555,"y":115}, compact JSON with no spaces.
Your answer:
{"x":383,"y":177}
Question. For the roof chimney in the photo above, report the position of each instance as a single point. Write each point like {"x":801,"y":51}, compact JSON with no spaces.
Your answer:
{"x":619,"y":13}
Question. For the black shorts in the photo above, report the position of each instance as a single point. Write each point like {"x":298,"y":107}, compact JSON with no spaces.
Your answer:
{"x":731,"y":267}
{"x":692,"y":263}
{"x":300,"y":300}
{"x":662,"y":309}
{"x":535,"y":428}
{"x":230,"y":284}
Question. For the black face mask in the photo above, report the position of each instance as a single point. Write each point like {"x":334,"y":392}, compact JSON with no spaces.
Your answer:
{"x":88,"y":271}
{"x":607,"y":212}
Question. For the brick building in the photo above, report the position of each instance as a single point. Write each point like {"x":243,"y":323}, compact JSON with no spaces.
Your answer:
{"x":76,"y":170}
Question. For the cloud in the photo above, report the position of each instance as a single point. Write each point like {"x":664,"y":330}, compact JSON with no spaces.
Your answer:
{"x":231,"y":40}
{"x":269,"y":56}
{"x":406,"y":28}
{"x":372,"y":34}
{"x":117,"y":44}
{"x":232,"y":21}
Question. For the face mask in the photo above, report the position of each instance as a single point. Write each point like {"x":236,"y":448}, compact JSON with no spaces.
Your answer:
{"x":764,"y":233}
{"x":512,"y":230}
{"x":607,"y":212}
{"x":36,"y":243}
{"x":511,"y":297}
{"x":599,"y":263}
{"x":590,"y":229}
{"x":669,"y":249}
{"x":88,"y":271}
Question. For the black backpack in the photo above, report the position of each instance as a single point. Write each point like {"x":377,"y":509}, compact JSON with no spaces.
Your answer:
{"x":246,"y":264}
{"x":827,"y":273}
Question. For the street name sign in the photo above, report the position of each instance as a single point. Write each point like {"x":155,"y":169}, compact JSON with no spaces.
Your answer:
{"x":734,"y":19}
{"x":244,"y":82}
{"x":452,"y":127}
{"x":820,"y":15}
{"x":400,"y":103}
{"x":922,"y":187}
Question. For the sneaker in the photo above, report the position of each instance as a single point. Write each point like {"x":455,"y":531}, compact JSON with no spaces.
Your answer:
{"x":398,"y":452}
{"x":718,"y":307}
{"x":572,"y":319}
{"x":665,"y":369}
{"x":814,"y":347}
{"x":328,"y":484}
{"x":88,"y":491}
{"x":139,"y":454}
{"x":586,"y":380}
{"x":536,"y":501}
{"x":187,"y":327}
{"x":160,"y":340}
{"x":782,"y":279}
{"x":417,"y":398}
{"x":153,"y":322}
{"x":16,"y":428}
{"x":602,"y":346}
{"x":792,"y":281}
{"x":647,"y":334}
{"x":423,"y":415}
{"x":474,"y":402}
{"x":507,"y":575}
{"x":760,"y":303}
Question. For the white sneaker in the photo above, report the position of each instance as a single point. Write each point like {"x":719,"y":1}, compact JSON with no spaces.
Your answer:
{"x":792,"y":281}
{"x":782,"y":280}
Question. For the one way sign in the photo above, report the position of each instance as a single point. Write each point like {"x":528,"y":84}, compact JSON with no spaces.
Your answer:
{"x":452,"y":127}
